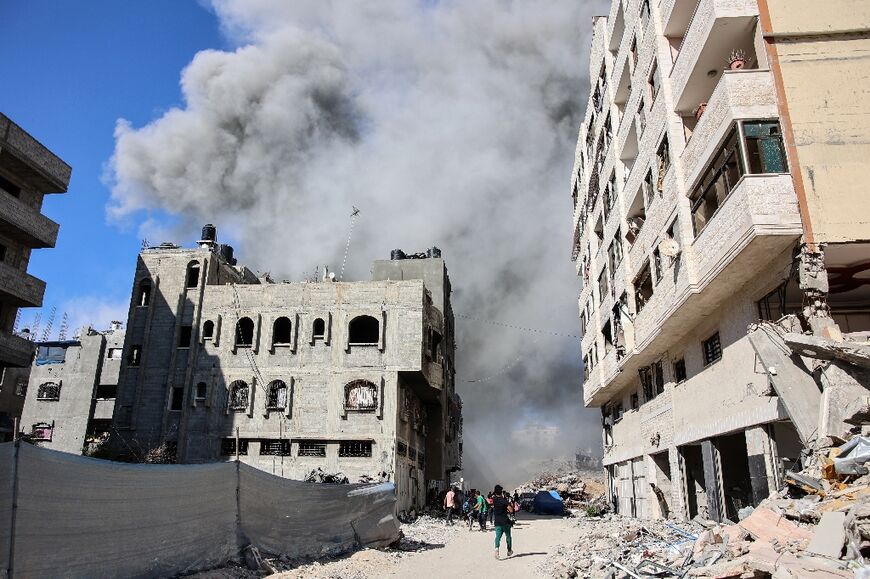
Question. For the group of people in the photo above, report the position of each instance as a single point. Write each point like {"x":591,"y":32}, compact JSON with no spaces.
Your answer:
{"x":498,"y":507}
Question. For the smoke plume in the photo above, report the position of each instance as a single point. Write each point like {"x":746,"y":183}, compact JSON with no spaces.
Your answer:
{"x":447,"y":123}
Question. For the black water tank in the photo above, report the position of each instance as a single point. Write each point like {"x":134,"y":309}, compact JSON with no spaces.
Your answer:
{"x":397,"y":254}
{"x":209,"y":232}
{"x":433,"y":252}
{"x":227,"y":254}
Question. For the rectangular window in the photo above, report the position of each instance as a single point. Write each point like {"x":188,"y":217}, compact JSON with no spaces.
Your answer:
{"x":657,"y":265}
{"x":663,"y":161}
{"x":307,"y":448}
{"x":107,"y":391}
{"x":635,"y":401}
{"x":114,"y":353}
{"x":48,"y":391}
{"x":184,"y":336}
{"x":680,"y":370}
{"x":355,"y":448}
{"x":653,"y":82}
{"x":401,"y":448}
{"x":712,"y":349}
{"x":633,"y":53}
{"x":275,"y":447}
{"x":607,"y":334}
{"x":177,"y":399}
{"x":2,"y":252}
{"x":614,"y":252}
{"x":201,"y":391}
{"x":764,"y":147}
{"x":643,"y":287}
{"x":648,"y":189}
{"x":716,"y":183}
{"x":618,"y":411}
{"x":641,"y":117}
{"x":21,"y":388}
{"x":135,"y":356}
{"x":603,"y":288}
{"x":772,"y":307}
{"x":228,"y":447}
{"x":609,"y":195}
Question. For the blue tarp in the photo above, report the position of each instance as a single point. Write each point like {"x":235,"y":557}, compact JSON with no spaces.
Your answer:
{"x":548,"y":503}
{"x":50,"y":355}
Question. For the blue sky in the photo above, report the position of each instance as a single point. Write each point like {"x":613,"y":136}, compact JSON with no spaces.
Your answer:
{"x":70,"y":70}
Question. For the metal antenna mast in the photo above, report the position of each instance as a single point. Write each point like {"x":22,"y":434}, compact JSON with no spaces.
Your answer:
{"x":354,"y":214}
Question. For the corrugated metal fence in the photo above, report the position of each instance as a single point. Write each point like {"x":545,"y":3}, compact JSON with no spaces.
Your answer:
{"x":71,"y":516}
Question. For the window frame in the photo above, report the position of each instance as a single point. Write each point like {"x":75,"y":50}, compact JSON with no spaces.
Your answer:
{"x":708,"y":351}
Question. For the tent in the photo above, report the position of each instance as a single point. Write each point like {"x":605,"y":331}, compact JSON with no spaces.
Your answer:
{"x":548,"y":503}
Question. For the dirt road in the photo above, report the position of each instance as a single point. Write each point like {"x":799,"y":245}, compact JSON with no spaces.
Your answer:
{"x":471,"y":553}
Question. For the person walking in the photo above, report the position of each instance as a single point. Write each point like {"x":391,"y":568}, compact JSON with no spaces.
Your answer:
{"x":489,"y":508}
{"x":468,"y":507}
{"x":481,"y":510}
{"x":450,"y":504}
{"x":502,"y":507}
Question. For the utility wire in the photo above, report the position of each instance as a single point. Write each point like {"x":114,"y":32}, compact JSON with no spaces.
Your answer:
{"x":515,"y":327}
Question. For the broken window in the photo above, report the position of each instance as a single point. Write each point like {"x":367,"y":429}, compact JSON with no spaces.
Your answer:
{"x":643,"y":287}
{"x":208,"y":330}
{"x":360,"y":395}
{"x":663,"y":162}
{"x":609,"y":195}
{"x":48,"y":391}
{"x":652,"y":380}
{"x":434,"y":345}
{"x":614,"y":252}
{"x":282,"y":332}
{"x":772,"y":307}
{"x":275,"y":447}
{"x":310,"y":448}
{"x":245,"y":333}
{"x":641,"y":117}
{"x":228,"y":447}
{"x":680,"y":370}
{"x":177,"y":400}
{"x":184,"y":336}
{"x":276,"y":398}
{"x":712,"y":349}
{"x":401,"y":448}
{"x":144,"y":298}
{"x":134,"y":357}
{"x":363,"y":331}
{"x":318,"y":331}
{"x":42,"y":431}
{"x":653,"y":82}
{"x":355,"y":448}
{"x":239,"y":396}
{"x":107,"y":391}
{"x":717,"y":182}
{"x":607,"y":334}
{"x":192,"y":275}
{"x":648,"y":189}
{"x":764,"y":147}
{"x":201,"y":391}
{"x":618,"y":412}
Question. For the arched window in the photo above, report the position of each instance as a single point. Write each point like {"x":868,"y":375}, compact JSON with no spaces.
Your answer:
{"x":208,"y":330}
{"x":245,"y":332}
{"x":282,"y":331}
{"x":48,"y":391}
{"x":239,"y":396}
{"x":144,"y":298}
{"x":277,"y":396}
{"x":364,"y":330}
{"x":318,"y":332}
{"x":361,"y":395}
{"x":192,"y":274}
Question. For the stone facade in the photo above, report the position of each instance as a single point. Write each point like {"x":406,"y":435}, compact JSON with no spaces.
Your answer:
{"x":681,"y":228}
{"x":355,"y":377}
{"x":71,"y":391}
{"x":28,"y":171}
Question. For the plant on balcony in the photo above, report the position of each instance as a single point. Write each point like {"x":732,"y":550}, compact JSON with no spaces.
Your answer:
{"x":699,"y":110}
{"x":737,"y":59}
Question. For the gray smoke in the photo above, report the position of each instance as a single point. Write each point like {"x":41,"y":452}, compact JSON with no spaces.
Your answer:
{"x":446,"y":123}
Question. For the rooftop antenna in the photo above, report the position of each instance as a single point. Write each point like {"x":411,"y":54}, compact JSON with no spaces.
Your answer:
{"x":34,"y":330}
{"x":354,"y":214}
{"x":47,"y":332}
{"x":17,"y":321}
{"x":144,"y":243}
{"x":64,"y":327}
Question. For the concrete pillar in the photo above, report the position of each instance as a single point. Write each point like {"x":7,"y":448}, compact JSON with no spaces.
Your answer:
{"x":762,"y":463}
{"x":713,"y":480}
{"x":678,"y":484}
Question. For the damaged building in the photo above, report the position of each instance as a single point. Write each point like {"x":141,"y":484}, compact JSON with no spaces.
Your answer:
{"x":351,"y":377}
{"x":71,"y":391}
{"x":28,"y":172}
{"x":721,"y":237}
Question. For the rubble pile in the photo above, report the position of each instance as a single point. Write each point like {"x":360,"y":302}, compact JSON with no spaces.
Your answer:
{"x":816,"y":527}
{"x":578,"y":489}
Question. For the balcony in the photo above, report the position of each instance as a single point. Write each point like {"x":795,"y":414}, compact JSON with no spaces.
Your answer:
{"x":601,"y":378}
{"x":15,"y":351}
{"x":742,"y":94}
{"x":717,"y":28}
{"x":19,"y":288}
{"x":22,"y":223}
{"x":28,"y":158}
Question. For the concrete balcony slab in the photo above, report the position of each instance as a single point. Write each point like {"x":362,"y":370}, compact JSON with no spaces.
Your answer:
{"x":22,"y":223}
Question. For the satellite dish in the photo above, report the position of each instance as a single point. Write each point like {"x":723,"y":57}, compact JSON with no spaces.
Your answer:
{"x":670,"y":248}
{"x":331,"y":276}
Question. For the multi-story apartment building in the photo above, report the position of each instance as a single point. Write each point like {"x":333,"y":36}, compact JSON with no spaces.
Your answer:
{"x":28,"y":171}
{"x":689,"y":196}
{"x":71,"y":391}
{"x":352,"y":377}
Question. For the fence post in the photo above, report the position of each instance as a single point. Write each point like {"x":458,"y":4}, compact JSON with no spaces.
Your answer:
{"x":10,"y":570}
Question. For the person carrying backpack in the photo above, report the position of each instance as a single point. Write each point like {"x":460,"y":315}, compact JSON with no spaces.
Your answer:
{"x":503,"y":508}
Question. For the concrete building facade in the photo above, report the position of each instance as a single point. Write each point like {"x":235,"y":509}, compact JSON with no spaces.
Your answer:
{"x":356,"y":377}
{"x":688,"y":229}
{"x":28,"y":172}
{"x":71,"y":391}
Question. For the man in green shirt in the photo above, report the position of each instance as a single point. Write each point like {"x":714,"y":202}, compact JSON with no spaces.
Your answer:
{"x":480,"y":507}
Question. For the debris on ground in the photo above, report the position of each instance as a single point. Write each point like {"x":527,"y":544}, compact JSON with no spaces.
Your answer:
{"x":318,"y":475}
{"x":578,"y":489}
{"x":816,"y":527}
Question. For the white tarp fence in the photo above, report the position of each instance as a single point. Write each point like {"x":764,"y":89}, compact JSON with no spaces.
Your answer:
{"x":83,"y":517}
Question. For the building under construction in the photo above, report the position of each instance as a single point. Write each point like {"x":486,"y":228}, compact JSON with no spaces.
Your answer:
{"x":350,"y":377}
